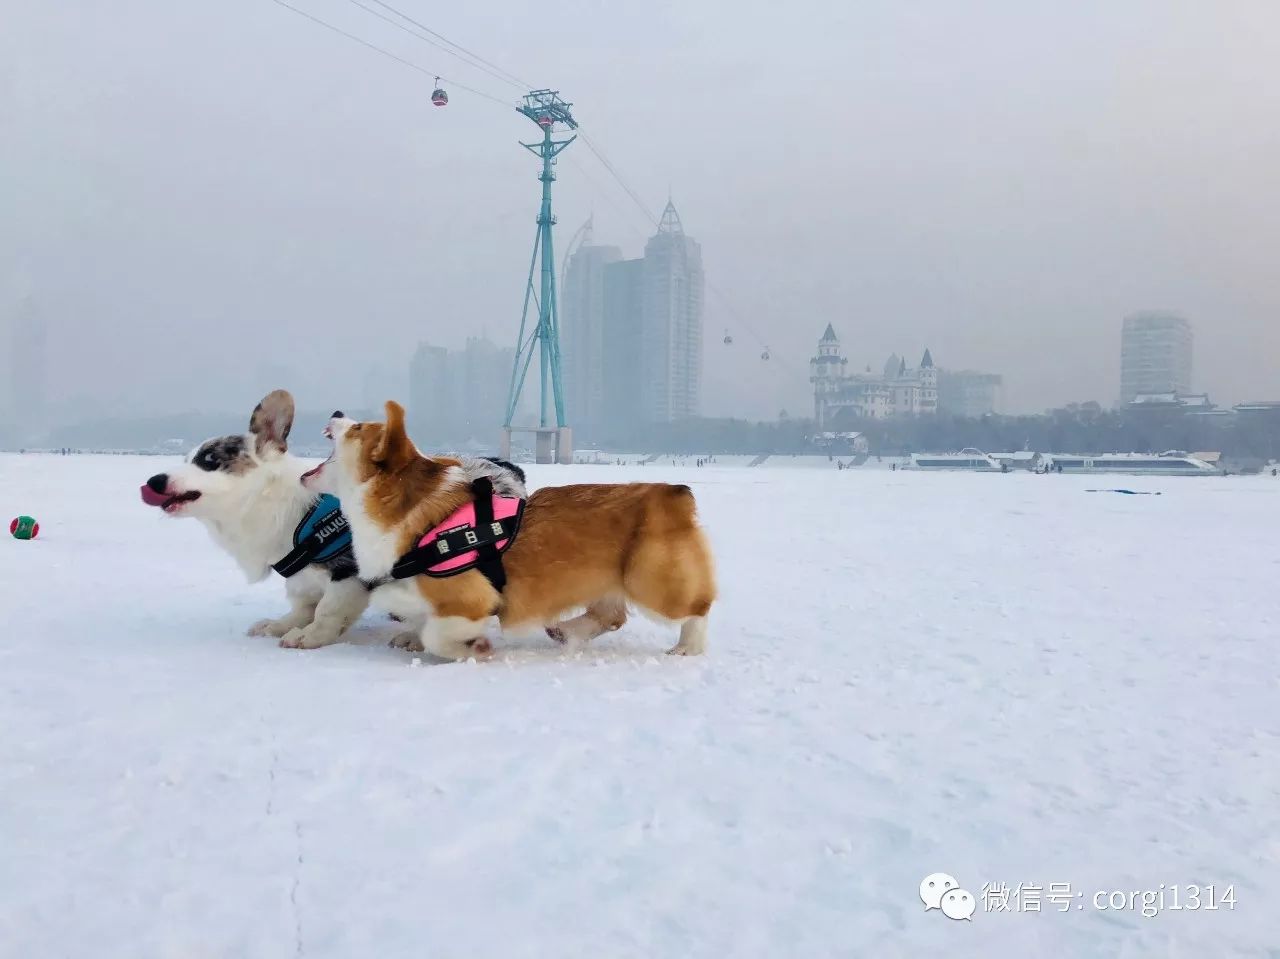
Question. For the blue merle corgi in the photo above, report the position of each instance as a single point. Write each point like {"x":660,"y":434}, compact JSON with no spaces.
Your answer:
{"x":246,"y":489}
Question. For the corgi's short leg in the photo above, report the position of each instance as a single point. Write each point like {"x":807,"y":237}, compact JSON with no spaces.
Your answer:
{"x":304,"y":592}
{"x":302,"y":613}
{"x":693,"y":638}
{"x":410,"y":640}
{"x":602,"y":616}
{"x":341,"y":605}
{"x":410,"y":637}
{"x":455,"y":637}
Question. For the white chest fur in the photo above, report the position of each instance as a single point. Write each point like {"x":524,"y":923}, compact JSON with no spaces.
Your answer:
{"x":376,"y":548}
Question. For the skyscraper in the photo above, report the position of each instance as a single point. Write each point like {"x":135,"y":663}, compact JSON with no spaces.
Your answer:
{"x":671,"y":323}
{"x":623,"y":315}
{"x":582,"y":333}
{"x":1155,"y":355}
{"x":631,"y":335}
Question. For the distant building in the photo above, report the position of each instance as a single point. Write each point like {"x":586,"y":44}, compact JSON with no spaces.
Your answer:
{"x":457,"y":396}
{"x":915,"y":391}
{"x":483,"y":384}
{"x":621,"y":402}
{"x":968,"y":393}
{"x":1174,"y":402}
{"x":827,"y":372}
{"x":583,"y":332}
{"x":1155,"y":355}
{"x":631,"y":334}
{"x":671,"y":323}
{"x":433,"y":398}
{"x":898,"y":390}
{"x":841,"y":443}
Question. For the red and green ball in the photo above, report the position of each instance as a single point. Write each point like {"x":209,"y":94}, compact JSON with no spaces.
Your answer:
{"x":24,"y":527}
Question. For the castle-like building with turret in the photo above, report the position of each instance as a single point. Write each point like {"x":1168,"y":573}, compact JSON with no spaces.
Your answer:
{"x":897,"y":390}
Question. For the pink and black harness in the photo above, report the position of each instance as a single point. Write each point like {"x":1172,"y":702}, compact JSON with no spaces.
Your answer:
{"x":474,"y":536}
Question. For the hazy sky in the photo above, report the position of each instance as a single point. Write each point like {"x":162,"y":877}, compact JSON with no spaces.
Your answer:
{"x":207,"y":197}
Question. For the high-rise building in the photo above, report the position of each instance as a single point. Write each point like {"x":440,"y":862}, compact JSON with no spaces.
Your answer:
{"x":671,"y":323}
{"x":1155,"y":355}
{"x":582,"y":334}
{"x":621,"y":404}
{"x":631,"y":333}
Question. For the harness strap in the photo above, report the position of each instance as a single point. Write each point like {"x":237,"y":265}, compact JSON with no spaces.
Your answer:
{"x":318,"y":537}
{"x":481,"y":539}
{"x":490,"y":561}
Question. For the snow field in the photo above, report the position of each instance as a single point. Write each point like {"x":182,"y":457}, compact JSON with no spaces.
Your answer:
{"x":1004,"y":678}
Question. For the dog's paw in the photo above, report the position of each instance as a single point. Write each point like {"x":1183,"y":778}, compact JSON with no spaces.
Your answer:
{"x":304,"y":638}
{"x":556,"y":633}
{"x":481,"y":646}
{"x":407,"y":641}
{"x":268,"y":627}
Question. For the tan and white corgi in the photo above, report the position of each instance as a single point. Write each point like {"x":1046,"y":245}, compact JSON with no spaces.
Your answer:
{"x":596,"y":547}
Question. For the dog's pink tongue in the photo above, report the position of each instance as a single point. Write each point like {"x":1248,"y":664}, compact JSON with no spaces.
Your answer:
{"x":151,"y":497}
{"x":314,"y":471}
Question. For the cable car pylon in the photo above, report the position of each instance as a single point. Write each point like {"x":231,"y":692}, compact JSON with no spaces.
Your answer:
{"x":553,"y":442}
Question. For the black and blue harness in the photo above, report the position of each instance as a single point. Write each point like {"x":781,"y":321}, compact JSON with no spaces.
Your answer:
{"x":323,"y":538}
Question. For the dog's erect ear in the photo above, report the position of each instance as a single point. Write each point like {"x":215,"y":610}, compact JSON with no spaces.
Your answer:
{"x":394,"y":448}
{"x":271,"y":421}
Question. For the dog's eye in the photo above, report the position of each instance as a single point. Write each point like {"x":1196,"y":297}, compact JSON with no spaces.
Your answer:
{"x":206,"y":461}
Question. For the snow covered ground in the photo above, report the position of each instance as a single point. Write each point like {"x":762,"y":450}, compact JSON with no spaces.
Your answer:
{"x":1004,"y":678}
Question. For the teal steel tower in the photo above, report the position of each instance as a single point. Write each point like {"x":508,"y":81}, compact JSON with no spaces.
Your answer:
{"x":554,"y":441}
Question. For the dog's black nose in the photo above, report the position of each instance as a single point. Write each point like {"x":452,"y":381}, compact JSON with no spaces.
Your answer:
{"x":159,"y":483}
{"x":338,"y":415}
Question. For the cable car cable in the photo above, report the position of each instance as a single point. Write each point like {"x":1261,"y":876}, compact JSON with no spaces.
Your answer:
{"x":511,"y":77}
{"x":387,"y":53}
{"x":635,"y":198}
{"x":479,"y":65}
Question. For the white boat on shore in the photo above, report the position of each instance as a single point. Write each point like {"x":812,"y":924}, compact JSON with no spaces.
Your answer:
{"x":1172,"y":463}
{"x":968,"y":460}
